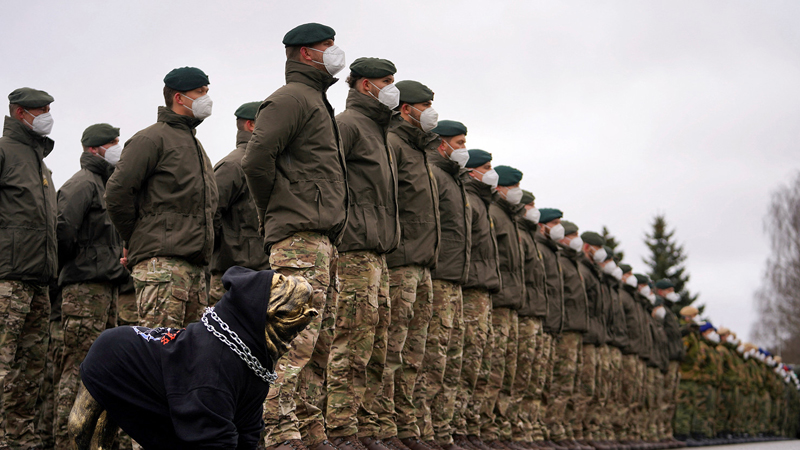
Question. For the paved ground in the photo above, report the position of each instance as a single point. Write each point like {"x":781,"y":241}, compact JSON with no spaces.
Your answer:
{"x":782,"y":445}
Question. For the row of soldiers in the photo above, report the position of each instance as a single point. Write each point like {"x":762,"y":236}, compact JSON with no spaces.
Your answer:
{"x":455,"y":314}
{"x":731,"y":391}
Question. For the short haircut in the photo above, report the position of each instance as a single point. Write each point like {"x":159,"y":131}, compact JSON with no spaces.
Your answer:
{"x":169,"y":94}
{"x":12,"y":107}
{"x":353,"y":79}
{"x":240,"y":123}
{"x":293,"y":52}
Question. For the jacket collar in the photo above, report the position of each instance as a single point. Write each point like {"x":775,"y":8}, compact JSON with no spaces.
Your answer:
{"x":297,"y":72}
{"x":370,"y":107}
{"x":542,"y":239}
{"x":19,"y":132}
{"x":415,"y":136}
{"x":176,"y":120}
{"x":96,"y":164}
{"x":446,"y":164}
{"x":481,"y":189}
{"x":569,"y":252}
{"x":592,"y":266}
{"x":511,"y":210}
{"x":243,"y":137}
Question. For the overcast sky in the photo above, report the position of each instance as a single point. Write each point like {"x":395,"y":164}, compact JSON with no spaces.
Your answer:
{"x":614,"y":111}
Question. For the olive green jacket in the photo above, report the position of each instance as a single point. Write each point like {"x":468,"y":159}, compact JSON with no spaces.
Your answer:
{"x":672,"y":329}
{"x":576,"y":302}
{"x":236,"y":238}
{"x":163,"y":196}
{"x":294,"y":164}
{"x":616,"y":328}
{"x":550,"y":250}
{"x":417,"y":197}
{"x":633,"y":320}
{"x":372,"y":223}
{"x":455,"y":220}
{"x":28,"y":247}
{"x":484,"y":267}
{"x":89,"y":247}
{"x":535,"y":274}
{"x":645,"y":309}
{"x":596,"y":328}
{"x":512,"y":265}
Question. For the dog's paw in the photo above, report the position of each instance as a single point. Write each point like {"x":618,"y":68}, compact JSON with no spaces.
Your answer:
{"x":288,"y":313}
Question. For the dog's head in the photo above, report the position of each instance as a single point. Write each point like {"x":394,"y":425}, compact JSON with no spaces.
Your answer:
{"x":288,"y":313}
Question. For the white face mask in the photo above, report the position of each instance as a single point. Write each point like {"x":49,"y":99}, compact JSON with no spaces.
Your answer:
{"x":713,"y":337}
{"x":608,"y":268}
{"x":201,"y":106}
{"x":617,"y":273}
{"x":112,"y":154}
{"x":631,"y":281}
{"x":42,"y":124}
{"x":659,"y":313}
{"x":389,"y":95}
{"x":557,"y":232}
{"x":459,"y":155}
{"x":740,"y":349}
{"x":514,"y":195}
{"x":673,"y":297}
{"x":576,"y":243}
{"x":533,"y":215}
{"x":645,"y":290}
{"x":600,"y":255}
{"x":651,"y":297}
{"x":428,"y":119}
{"x":332,"y":59}
{"x":491,"y":178}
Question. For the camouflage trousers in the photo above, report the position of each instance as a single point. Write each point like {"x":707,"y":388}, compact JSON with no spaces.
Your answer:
{"x":653,"y":387}
{"x":637,"y":416}
{"x":127,"y":311}
{"x":411,"y":297}
{"x":438,"y":381}
{"x":47,"y":394}
{"x":215,"y":289}
{"x":24,"y":337}
{"x":519,"y":410}
{"x":585,"y":388}
{"x":704,"y":417}
{"x":293,"y":404}
{"x":671,"y":380}
{"x":352,"y":370}
{"x":764,"y":406}
{"x":87,"y":310}
{"x":567,"y":362}
{"x":494,"y":410}
{"x":477,"y":327}
{"x":481,"y":392}
{"x":727,"y":408}
{"x":613,"y":382}
{"x":170,"y":292}
{"x":626,"y":398}
{"x":543,"y":376}
{"x":598,"y":407}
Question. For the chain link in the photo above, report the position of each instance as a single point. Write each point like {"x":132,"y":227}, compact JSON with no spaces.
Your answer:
{"x":239,"y":347}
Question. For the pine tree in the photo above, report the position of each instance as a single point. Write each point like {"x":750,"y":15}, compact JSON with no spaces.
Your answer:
{"x":613,"y":243}
{"x":666,"y":261}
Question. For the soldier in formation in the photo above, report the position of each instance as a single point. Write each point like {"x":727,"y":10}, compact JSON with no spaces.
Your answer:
{"x":455,"y":313}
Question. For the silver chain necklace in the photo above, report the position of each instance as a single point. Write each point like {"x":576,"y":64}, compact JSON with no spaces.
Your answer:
{"x":239,"y":347}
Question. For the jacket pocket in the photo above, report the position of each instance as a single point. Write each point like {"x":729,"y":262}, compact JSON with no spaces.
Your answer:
{"x":7,"y":262}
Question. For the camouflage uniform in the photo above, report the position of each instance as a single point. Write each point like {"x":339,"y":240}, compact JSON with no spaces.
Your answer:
{"x":494,"y":420}
{"x":652,"y":404}
{"x":567,"y":365}
{"x":170,"y":292}
{"x":351,"y":370}
{"x":542,"y":373}
{"x":585,"y":388}
{"x":671,"y":380}
{"x":613,"y":407}
{"x":215,"y":289}
{"x":87,"y":309}
{"x":25,"y":309}
{"x":312,"y":256}
{"x":47,"y":395}
{"x":480,"y":396}
{"x":127,"y":312}
{"x":520,"y":417}
{"x":597,"y":409}
{"x":411,"y":297}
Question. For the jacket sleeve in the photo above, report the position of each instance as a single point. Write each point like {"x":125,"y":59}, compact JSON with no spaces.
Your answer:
{"x":277,"y":124}
{"x":230,"y":184}
{"x":138,"y":161}
{"x":349,"y":137}
{"x":73,"y":202}
{"x":203,"y":418}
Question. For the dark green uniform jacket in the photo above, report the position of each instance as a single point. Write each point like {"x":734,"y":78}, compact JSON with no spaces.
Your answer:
{"x":634,"y":320}
{"x":660,"y":351}
{"x":511,"y":263}
{"x":294,"y":164}
{"x":237,"y":241}
{"x":576,"y":302}
{"x":555,"y":283}
{"x":595,"y":333}
{"x":616,"y":327}
{"x":417,"y":197}
{"x":163,"y":196}
{"x":673,"y":331}
{"x":484,"y":268}
{"x":28,"y":248}
{"x":535,"y":275}
{"x":372,"y":223}
{"x":89,"y":246}
{"x":645,"y":309}
{"x":455,"y":219}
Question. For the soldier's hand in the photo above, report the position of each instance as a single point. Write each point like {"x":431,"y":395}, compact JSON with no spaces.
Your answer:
{"x":124,"y":259}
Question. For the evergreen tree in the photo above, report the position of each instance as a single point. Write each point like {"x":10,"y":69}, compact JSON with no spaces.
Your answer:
{"x":666,"y":261}
{"x":613,"y":243}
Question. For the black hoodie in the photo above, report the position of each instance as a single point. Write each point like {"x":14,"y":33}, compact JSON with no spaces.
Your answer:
{"x":174,"y":389}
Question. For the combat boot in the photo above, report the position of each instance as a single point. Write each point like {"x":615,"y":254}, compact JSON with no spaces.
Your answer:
{"x":433,"y":445}
{"x":347,"y":443}
{"x":453,"y":446}
{"x":292,"y":444}
{"x":477,"y":442}
{"x":395,"y":443}
{"x":462,"y":441}
{"x":324,"y":445}
{"x":414,"y":444}
{"x":373,"y":444}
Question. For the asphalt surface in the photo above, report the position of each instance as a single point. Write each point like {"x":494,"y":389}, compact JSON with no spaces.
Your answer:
{"x":780,"y":445}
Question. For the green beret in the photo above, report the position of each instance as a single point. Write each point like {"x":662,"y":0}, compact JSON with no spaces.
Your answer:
{"x":592,"y":238}
{"x":527,"y":197}
{"x":448,"y":128}
{"x":373,"y":67}
{"x":508,"y":176}
{"x":478,"y":158}
{"x":548,"y":215}
{"x":247,"y":111}
{"x":30,"y":98}
{"x":99,"y":134}
{"x":185,"y":79}
{"x":664,"y":284}
{"x":641,"y":278}
{"x":609,"y":252}
{"x":308,"y":33}
{"x":569,"y":227}
{"x":626,"y":268}
{"x":413,"y":92}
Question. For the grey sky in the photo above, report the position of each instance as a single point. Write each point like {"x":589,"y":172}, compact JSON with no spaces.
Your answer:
{"x":615,"y":111}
